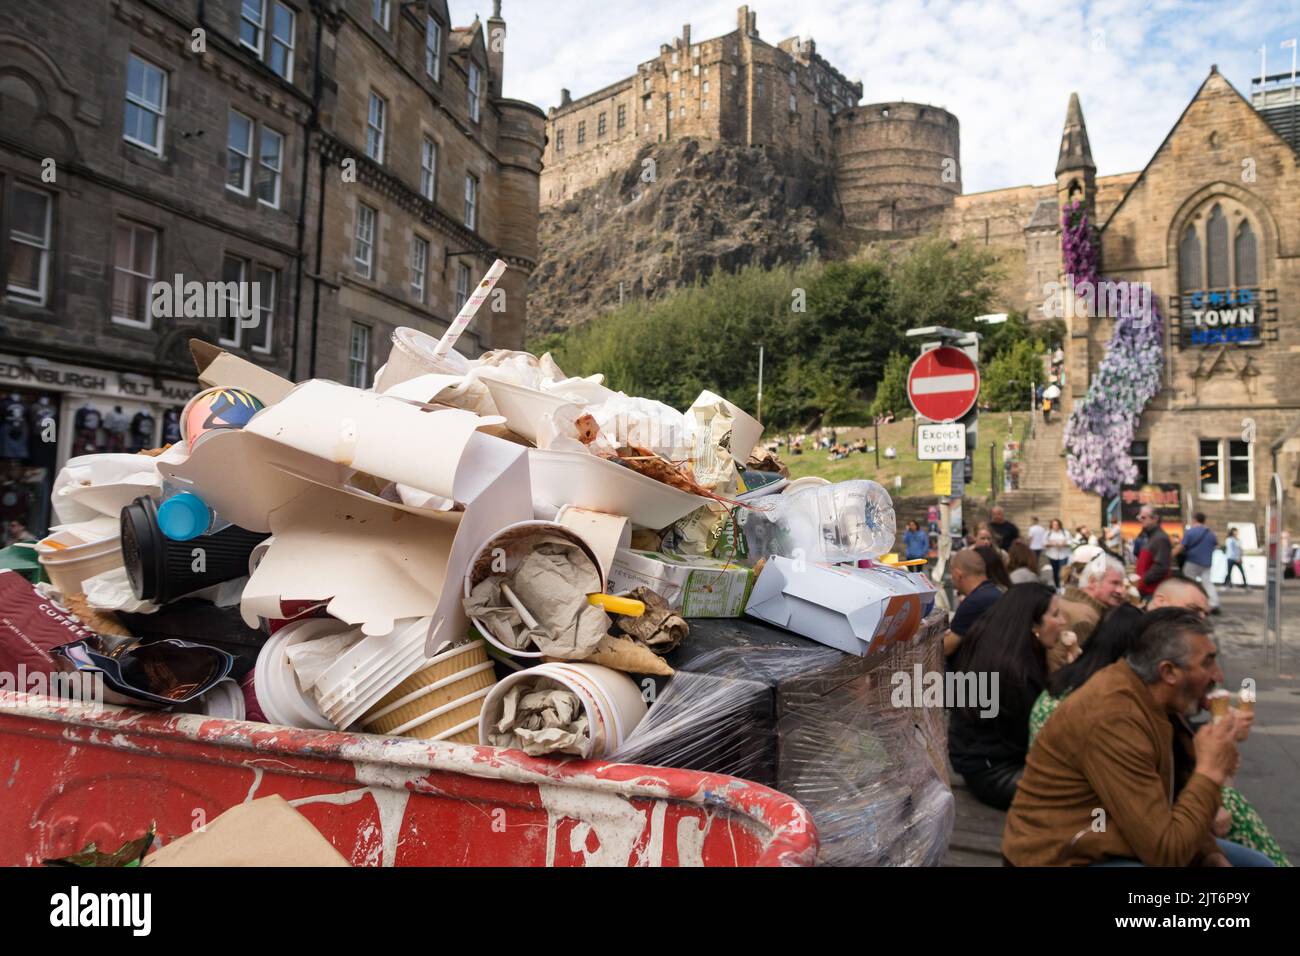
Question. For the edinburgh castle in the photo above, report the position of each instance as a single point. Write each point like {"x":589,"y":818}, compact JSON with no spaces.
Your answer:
{"x":753,"y":152}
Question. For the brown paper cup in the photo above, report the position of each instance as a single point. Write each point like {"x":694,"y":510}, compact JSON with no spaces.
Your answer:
{"x":466,"y":694}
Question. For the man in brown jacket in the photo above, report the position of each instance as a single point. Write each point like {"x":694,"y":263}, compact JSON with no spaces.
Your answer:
{"x":1098,"y":783}
{"x":1100,"y":588}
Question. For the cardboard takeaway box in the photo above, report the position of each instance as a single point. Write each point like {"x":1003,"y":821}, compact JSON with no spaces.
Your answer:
{"x":696,"y":587}
{"x":217,"y":368}
{"x":310,"y":470}
{"x":858,"y":611}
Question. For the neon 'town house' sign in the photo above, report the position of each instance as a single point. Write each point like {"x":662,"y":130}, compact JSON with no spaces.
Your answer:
{"x":1222,"y":317}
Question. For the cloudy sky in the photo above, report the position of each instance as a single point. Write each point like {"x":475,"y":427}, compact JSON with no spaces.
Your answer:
{"x":1004,"y":67}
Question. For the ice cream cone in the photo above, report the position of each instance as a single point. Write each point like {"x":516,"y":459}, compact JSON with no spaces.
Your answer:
{"x":1220,"y":701}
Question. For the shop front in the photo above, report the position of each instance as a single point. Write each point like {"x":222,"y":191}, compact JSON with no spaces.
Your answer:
{"x":53,"y":411}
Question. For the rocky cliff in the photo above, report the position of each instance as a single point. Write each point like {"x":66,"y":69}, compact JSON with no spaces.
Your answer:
{"x":675,"y":214}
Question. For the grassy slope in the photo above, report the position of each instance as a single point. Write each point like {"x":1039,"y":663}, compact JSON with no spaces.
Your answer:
{"x":917,"y":478}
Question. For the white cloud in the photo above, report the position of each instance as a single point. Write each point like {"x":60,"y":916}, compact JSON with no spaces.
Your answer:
{"x":1006,"y":68}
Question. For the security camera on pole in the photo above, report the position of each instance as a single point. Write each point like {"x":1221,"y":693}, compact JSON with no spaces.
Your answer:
{"x":943,"y":387}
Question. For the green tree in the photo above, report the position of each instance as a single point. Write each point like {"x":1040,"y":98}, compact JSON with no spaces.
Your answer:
{"x":941,"y":282}
{"x":849,"y":327}
{"x":834,"y":335}
{"x":891,"y":394}
{"x":1007,"y":379}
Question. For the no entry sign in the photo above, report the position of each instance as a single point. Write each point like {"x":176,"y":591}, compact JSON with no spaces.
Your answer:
{"x":943,"y":384}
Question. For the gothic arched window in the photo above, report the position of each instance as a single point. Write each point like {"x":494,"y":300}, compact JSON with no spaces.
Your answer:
{"x":1219,"y":248}
{"x":1244,"y":254}
{"x":1216,"y":243}
{"x":1189,"y":260}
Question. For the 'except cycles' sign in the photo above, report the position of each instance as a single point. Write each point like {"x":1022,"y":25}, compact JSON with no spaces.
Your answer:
{"x":941,"y":442}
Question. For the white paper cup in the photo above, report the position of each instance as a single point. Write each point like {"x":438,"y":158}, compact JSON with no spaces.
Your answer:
{"x":626,"y":705}
{"x":367,"y":671}
{"x":77,"y":561}
{"x":606,"y":697}
{"x":515,"y":542}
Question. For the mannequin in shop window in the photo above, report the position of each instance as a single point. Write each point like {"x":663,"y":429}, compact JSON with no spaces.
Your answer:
{"x":14,"y":431}
{"x":171,"y":426}
{"x":141,"y":431}
{"x":116,"y":424}
{"x":86,"y":428}
{"x":44,"y":438}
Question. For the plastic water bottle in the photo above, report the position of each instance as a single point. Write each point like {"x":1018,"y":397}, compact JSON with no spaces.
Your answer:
{"x":830,"y":524}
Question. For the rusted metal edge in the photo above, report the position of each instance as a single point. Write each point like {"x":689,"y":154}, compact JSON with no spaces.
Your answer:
{"x":790,"y":838}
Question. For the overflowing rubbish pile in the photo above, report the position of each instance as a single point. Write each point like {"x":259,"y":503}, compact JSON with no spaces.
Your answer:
{"x":490,"y":552}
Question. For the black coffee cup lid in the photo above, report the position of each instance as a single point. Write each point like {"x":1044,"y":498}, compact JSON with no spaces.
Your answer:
{"x":142,"y":547}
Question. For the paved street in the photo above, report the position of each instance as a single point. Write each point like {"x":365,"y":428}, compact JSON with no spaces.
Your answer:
{"x":1270,"y":768}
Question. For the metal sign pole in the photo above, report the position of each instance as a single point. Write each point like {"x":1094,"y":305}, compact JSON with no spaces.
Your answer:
{"x":1276,"y":559}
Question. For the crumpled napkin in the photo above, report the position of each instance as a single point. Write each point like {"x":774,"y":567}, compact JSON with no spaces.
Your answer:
{"x":552,"y":582}
{"x":542,"y":721}
{"x":660,"y":628}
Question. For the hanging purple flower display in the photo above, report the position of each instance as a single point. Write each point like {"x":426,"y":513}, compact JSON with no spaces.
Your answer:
{"x":1100,"y":431}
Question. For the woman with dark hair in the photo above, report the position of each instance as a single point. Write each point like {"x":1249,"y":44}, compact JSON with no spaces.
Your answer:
{"x":1238,"y":821}
{"x":1107,"y":644}
{"x":1023,"y":566}
{"x":995,"y":569}
{"x":1006,"y":651}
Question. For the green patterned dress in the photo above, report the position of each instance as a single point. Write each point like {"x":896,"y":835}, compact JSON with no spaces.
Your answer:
{"x":1247,"y":827}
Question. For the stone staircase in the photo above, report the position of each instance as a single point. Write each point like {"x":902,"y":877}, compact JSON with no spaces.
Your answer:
{"x":1040,"y":476}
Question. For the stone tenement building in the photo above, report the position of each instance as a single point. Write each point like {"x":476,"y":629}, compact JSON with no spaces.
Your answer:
{"x":347,"y":165}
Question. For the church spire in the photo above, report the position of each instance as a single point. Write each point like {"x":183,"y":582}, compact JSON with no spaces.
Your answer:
{"x":1075,"y":151}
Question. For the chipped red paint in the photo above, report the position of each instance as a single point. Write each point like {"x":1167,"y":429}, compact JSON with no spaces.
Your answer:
{"x":73,"y":774}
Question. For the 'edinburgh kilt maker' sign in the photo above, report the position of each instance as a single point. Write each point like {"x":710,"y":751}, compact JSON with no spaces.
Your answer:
{"x":1226,"y":317}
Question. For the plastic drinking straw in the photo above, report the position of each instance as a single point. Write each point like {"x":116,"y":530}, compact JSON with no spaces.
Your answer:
{"x":467,"y":313}
{"x":529,"y":621}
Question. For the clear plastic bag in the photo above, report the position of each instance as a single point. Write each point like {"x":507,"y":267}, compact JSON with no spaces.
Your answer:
{"x":819,"y":726}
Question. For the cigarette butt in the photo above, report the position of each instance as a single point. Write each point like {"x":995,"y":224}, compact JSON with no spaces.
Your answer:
{"x":617,"y":605}
{"x":529,"y":621}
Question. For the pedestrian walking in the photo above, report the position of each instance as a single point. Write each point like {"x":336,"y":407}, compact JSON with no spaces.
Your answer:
{"x":1037,"y":539}
{"x":1004,"y":531}
{"x":1057,"y":547}
{"x":1232,"y":550}
{"x":1155,"y":562}
{"x":1198,"y":546}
